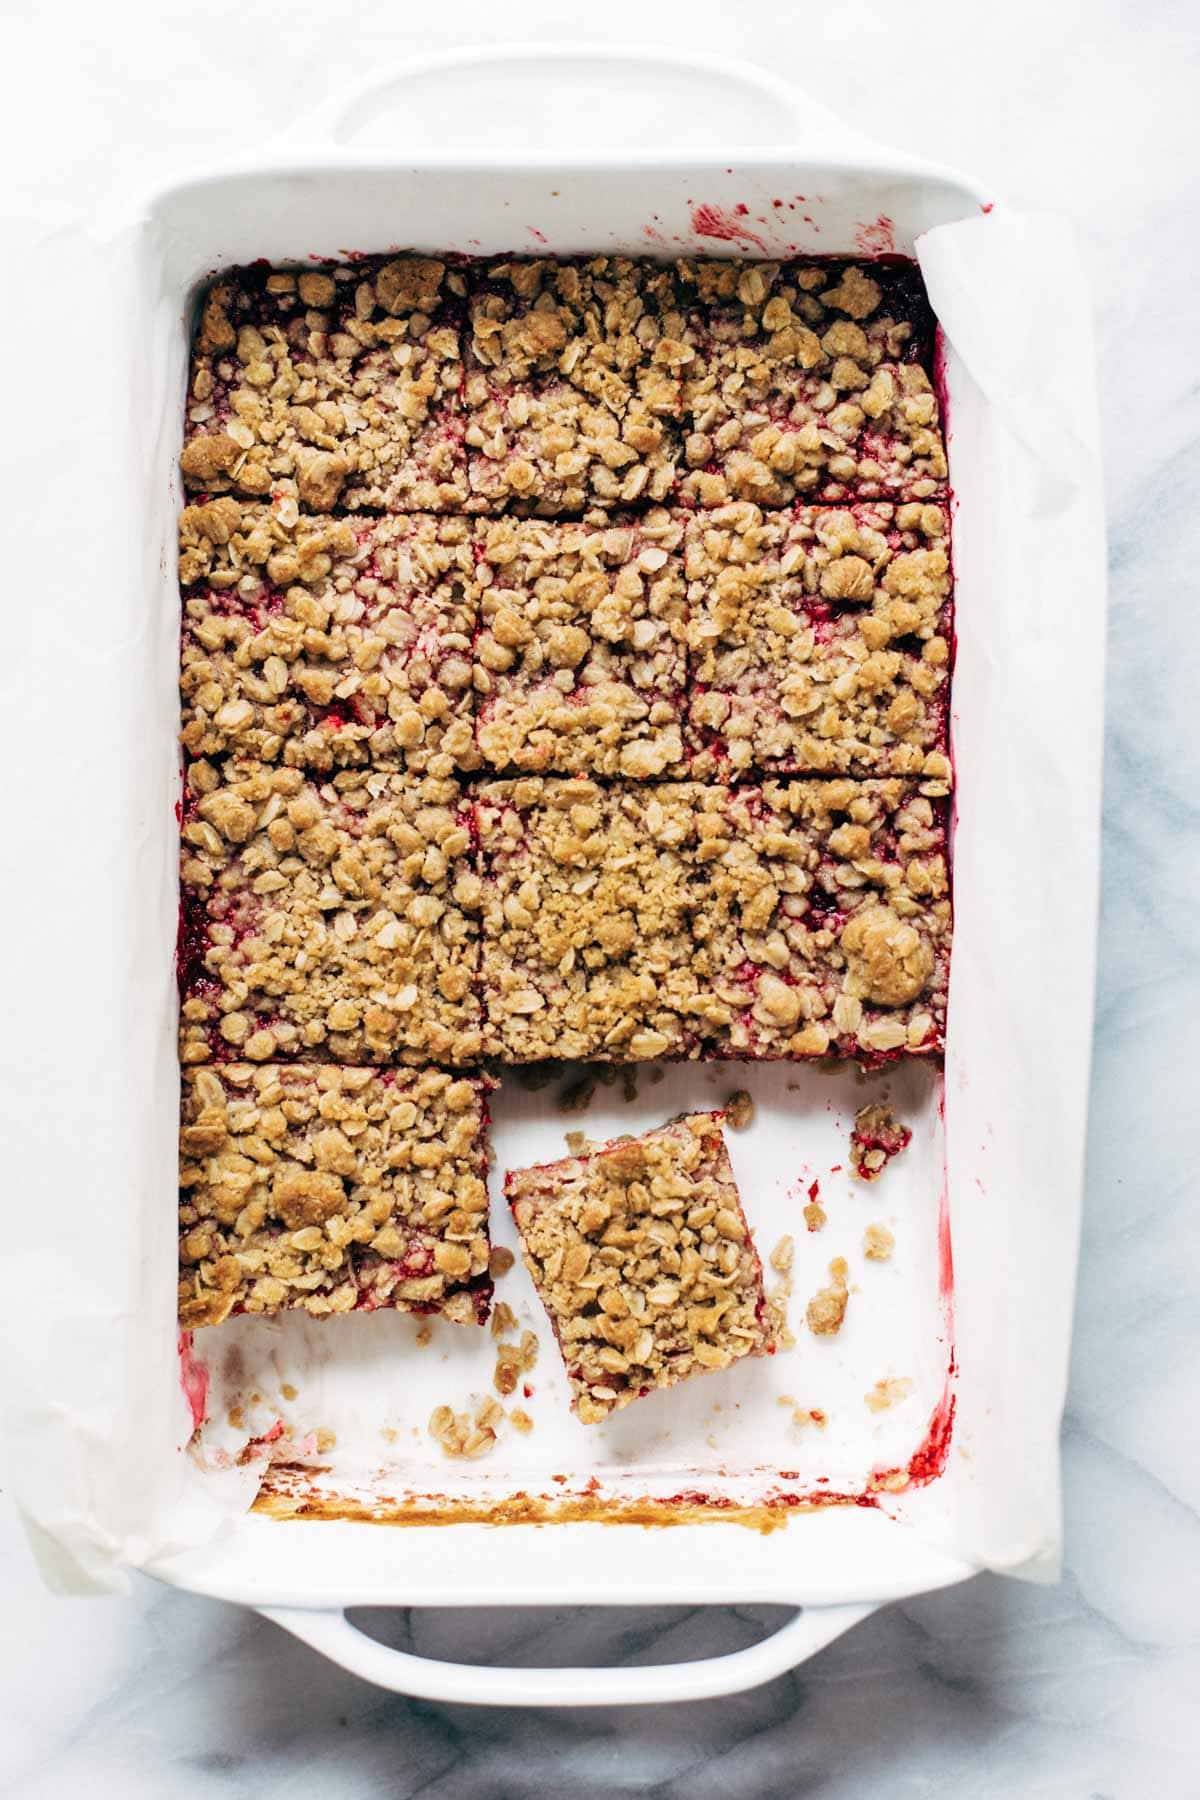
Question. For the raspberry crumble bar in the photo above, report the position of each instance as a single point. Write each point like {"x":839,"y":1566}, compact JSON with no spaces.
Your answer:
{"x":644,"y":1262}
{"x":590,"y":928}
{"x":809,"y":379}
{"x":330,"y":1190}
{"x":338,"y":385}
{"x":335,"y":917}
{"x":327,"y":642}
{"x":820,"y":640}
{"x":828,"y":919}
{"x":573,"y":384}
{"x":580,"y":664}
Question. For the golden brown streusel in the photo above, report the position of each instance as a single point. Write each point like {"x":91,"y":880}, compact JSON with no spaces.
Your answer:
{"x":591,"y":941}
{"x":469,"y":1434}
{"x":325,"y":642}
{"x":338,"y":386}
{"x":573,"y":386}
{"x":326,"y":1189}
{"x":827,"y":915}
{"x":815,"y":1216}
{"x":807,"y":380}
{"x":336,"y":917}
{"x":819,"y":640}
{"x":783,"y":1254}
{"x":878,"y":1243}
{"x":580,"y":665}
{"x":827,"y":1308}
{"x":643,"y":1260}
{"x":520,"y":1420}
{"x":877,"y":1137}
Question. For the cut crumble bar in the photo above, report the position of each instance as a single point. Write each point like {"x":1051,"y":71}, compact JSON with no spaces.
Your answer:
{"x":572,"y":391}
{"x":335,"y":916}
{"x":580,"y":664}
{"x":828,"y":912}
{"x":325,"y":1189}
{"x":325,"y":642}
{"x":820,"y":640}
{"x":809,"y":379}
{"x":589,"y":918}
{"x":644,"y":1262}
{"x":338,"y":385}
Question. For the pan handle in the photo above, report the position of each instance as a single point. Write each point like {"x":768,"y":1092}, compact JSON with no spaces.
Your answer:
{"x":402,"y":1673}
{"x":537,"y":101}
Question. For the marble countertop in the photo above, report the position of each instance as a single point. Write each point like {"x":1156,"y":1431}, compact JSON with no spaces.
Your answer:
{"x":994,"y":1688}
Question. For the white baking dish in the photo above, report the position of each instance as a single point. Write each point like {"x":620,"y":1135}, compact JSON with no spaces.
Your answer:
{"x":480,"y":153}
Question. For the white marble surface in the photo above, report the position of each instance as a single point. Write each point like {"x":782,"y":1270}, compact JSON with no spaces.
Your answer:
{"x":993,"y":1689}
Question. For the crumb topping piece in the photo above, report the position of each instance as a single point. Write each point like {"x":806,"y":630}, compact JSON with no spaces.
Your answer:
{"x":470,"y":1434}
{"x":338,"y":386}
{"x":819,"y":640}
{"x":877,"y":1136}
{"x":739,"y":1110}
{"x":573,"y":385}
{"x":808,"y":380}
{"x":581,"y":664}
{"x":324,"y":642}
{"x":329,"y":1190}
{"x":827,"y":1308}
{"x":878,"y":1243}
{"x":338,"y":917}
{"x":643,"y":1260}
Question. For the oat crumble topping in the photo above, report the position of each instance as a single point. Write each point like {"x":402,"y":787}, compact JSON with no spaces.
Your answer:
{"x":827,"y":919}
{"x":643,"y":1260}
{"x":573,"y":385}
{"x":820,"y":641}
{"x":337,"y":916}
{"x":792,"y":919}
{"x":807,"y":380}
{"x":589,"y":906}
{"x":647,"y":631}
{"x":827,"y":1308}
{"x":739,"y":1110}
{"x":580,"y":665}
{"x":309,"y":1186}
{"x":326,"y":642}
{"x":338,"y":386}
{"x":466,"y":1434}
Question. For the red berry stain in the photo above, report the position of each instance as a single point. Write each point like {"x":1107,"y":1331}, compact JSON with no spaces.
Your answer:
{"x":539,"y":237}
{"x":721,"y":223}
{"x":878,"y":239}
{"x":986,"y":206}
{"x":814,"y":1190}
{"x":193,"y":1379}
